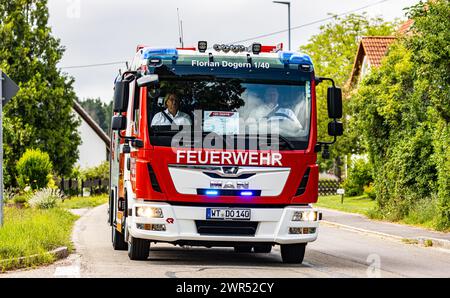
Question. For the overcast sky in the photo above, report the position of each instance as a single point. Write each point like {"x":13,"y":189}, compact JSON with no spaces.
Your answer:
{"x":103,"y":31}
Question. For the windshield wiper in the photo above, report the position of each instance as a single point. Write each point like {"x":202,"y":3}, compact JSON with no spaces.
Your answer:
{"x":287,"y":142}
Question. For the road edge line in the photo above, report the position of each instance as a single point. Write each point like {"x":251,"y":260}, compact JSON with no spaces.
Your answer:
{"x":419,"y":240}
{"x":362,"y":230}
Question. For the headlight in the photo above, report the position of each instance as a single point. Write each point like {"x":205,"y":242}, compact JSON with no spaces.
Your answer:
{"x":149,"y":212}
{"x":305,"y":216}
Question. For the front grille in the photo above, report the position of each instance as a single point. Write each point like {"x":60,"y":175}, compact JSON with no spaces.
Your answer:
{"x":226,"y":228}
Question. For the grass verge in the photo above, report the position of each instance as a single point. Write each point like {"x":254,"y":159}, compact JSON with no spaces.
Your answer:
{"x":361,"y":204}
{"x":28,"y":232}
{"x":423,"y":214}
{"x":84,"y":202}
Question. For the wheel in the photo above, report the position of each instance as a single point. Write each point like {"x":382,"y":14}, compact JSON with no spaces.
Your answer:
{"x":118,"y":240}
{"x":263,"y":248}
{"x":243,"y":248}
{"x":293,"y":253}
{"x":138,"y":249}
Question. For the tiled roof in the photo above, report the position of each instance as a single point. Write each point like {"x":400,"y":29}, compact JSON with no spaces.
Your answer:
{"x":405,"y":27}
{"x":375,"y":48}
{"x":372,"y":47}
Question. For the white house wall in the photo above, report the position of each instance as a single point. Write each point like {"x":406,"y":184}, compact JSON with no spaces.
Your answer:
{"x":92,"y":151}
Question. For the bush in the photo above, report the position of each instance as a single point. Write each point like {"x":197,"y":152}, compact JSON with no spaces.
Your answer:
{"x":359,"y":176}
{"x":46,"y":198}
{"x":370,"y":191}
{"x":34,"y":169}
{"x":22,"y":198}
{"x":99,"y":172}
{"x":9,"y":194}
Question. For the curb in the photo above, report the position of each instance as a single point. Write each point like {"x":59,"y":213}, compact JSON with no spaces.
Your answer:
{"x":59,"y":253}
{"x":420,"y":240}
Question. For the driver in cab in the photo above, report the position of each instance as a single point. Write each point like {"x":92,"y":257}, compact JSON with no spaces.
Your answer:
{"x":277,"y":112}
{"x":172,"y":114}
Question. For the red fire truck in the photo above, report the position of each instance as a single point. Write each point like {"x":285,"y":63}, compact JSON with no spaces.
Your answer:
{"x":217,"y":147}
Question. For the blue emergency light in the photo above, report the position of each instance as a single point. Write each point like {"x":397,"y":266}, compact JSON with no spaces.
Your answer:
{"x":247,"y":193}
{"x":163,"y":54}
{"x":212,"y":192}
{"x":294,"y":58}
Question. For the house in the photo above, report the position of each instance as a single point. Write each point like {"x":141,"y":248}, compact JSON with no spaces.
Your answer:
{"x":95,"y":145}
{"x":371,"y":51}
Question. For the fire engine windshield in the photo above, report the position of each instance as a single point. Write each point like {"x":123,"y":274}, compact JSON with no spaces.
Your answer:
{"x":231,"y":107}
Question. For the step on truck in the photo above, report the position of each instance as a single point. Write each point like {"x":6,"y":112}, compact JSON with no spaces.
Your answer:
{"x":217,"y":147}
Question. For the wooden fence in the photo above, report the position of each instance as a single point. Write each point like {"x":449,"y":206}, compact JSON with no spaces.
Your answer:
{"x":328,"y":187}
{"x":75,"y":187}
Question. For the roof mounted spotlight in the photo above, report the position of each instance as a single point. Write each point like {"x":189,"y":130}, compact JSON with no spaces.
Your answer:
{"x":226,"y":48}
{"x":217,"y":48}
{"x":202,"y":46}
{"x":256,"y":48}
{"x":235,"y":49}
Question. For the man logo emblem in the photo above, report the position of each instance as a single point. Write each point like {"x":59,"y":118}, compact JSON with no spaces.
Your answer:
{"x":230,"y":170}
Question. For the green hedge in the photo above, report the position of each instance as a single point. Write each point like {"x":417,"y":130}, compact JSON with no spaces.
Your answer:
{"x":402,"y":110}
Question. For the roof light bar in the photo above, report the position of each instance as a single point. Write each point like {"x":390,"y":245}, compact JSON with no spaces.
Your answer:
{"x":161,"y":53}
{"x":294,"y":58}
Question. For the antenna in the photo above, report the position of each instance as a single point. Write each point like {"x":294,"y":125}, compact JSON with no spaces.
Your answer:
{"x":180,"y":29}
{"x":182,"y":34}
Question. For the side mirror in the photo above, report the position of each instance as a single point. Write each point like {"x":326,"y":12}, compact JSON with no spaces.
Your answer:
{"x":334,"y":103}
{"x":147,"y":80}
{"x":335,"y":129}
{"x":121,"y":95}
{"x":119,"y":123}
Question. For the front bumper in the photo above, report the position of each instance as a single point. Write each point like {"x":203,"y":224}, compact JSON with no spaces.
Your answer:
{"x":273,"y":225}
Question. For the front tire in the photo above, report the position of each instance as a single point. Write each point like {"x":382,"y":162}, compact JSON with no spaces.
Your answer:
{"x":293,"y":253}
{"x":118,"y":240}
{"x":138,"y":249}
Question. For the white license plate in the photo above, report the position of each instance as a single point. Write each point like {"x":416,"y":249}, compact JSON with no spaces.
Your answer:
{"x":228,"y":214}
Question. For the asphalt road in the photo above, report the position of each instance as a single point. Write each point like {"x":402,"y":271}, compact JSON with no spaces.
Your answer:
{"x":337,"y":253}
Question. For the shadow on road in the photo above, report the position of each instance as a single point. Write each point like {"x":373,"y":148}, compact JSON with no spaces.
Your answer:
{"x":214,"y":256}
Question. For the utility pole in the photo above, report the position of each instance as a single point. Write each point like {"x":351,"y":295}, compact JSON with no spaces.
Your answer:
{"x":7,"y":90}
{"x":289,"y":17}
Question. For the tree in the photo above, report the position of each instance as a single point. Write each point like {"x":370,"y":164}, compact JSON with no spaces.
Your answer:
{"x":40,"y":116}
{"x":403,"y":111}
{"x":429,"y":43}
{"x":333,"y":52}
{"x":99,"y":111}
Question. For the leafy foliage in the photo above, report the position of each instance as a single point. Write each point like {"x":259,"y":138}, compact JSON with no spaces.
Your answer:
{"x":99,"y":111}
{"x":333,"y":53}
{"x":40,"y":116}
{"x":34,"y":169}
{"x":99,"y":172}
{"x":402,"y":110}
{"x":360,"y":176}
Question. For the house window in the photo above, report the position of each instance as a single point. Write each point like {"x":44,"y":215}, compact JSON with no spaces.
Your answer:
{"x":364,"y":68}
